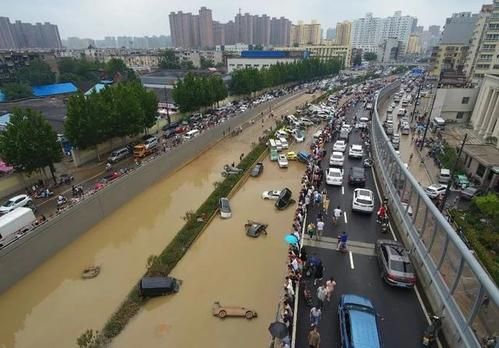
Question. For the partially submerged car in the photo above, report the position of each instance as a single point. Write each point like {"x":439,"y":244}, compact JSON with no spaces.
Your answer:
{"x":271,"y":194}
{"x":158,"y":286}
{"x":292,"y":156}
{"x":232,"y":311}
{"x":257,"y":169}
{"x":254,"y":229}
{"x":304,"y":157}
{"x":284,"y":199}
{"x":224,"y":208}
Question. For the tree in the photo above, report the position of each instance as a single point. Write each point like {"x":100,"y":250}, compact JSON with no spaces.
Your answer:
{"x":36,"y":73}
{"x":15,"y":91}
{"x":79,"y":70}
{"x":29,"y":143}
{"x":117,"y":66}
{"x":194,"y":92}
{"x":357,"y":60}
{"x":370,"y":56}
{"x":206,"y":63}
{"x":169,"y":60}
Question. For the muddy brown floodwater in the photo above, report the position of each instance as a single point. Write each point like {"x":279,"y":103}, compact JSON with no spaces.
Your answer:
{"x":52,"y":306}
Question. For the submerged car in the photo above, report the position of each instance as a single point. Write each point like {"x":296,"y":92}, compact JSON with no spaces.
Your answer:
{"x":282,"y":161}
{"x":254,"y":229}
{"x":224,"y":207}
{"x":232,"y":311}
{"x":284,"y":199}
{"x":292,"y":156}
{"x":272,"y":194}
{"x":304,"y":157}
{"x":257,"y":169}
{"x":158,"y":286}
{"x":394,"y":263}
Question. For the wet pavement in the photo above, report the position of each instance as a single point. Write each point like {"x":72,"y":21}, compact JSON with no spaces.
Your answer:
{"x":53,"y":298}
{"x":401,"y":317}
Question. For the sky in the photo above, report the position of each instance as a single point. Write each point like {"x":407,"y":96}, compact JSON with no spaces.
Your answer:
{"x":98,"y":18}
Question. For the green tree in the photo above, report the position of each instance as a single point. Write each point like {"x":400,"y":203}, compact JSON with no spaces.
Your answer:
{"x":194,"y":92}
{"x":169,"y":60}
{"x":117,"y":66}
{"x":357,"y":60}
{"x":14,"y":91}
{"x":370,"y":56}
{"x":36,"y":73}
{"x":488,"y":206}
{"x":79,"y":70}
{"x":206,"y":63}
{"x":29,"y":143}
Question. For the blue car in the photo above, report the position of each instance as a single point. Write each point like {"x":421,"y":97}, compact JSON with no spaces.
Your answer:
{"x":358,"y":323}
{"x":304,"y":157}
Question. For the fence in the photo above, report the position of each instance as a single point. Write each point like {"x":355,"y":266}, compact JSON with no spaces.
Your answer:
{"x":456,"y":285}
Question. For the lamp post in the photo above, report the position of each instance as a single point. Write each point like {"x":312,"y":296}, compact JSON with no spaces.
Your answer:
{"x":451,"y":182}
{"x":167,"y":108}
{"x":429,"y":118}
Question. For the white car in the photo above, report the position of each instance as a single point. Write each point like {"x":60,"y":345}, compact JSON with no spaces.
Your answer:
{"x":281,"y":133}
{"x":355,"y":151}
{"x":282,"y":161}
{"x":151,"y":143}
{"x":336,"y":159}
{"x":272,"y":194}
{"x":435,"y":190}
{"x":347,"y":127}
{"x":363,"y":200}
{"x":16,"y":202}
{"x":305,"y":121}
{"x":298,"y":135}
{"x":339,"y":146}
{"x":334,"y":176}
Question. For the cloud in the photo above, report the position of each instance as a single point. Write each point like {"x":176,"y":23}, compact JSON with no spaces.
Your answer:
{"x":99,"y":18}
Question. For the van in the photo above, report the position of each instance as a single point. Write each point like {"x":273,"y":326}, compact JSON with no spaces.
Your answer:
{"x":118,"y":155}
{"x":18,"y":220}
{"x":151,"y":142}
{"x":158,"y":286}
{"x":358,"y":322}
{"x":278,"y":145}
{"x":191,"y":134}
{"x":284,"y":143}
{"x":438,"y":123}
{"x":444,"y":176}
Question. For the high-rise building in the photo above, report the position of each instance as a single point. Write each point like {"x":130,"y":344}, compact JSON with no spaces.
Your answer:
{"x":369,"y":32}
{"x":343,"y":33}
{"x":434,"y":30}
{"x":206,"y":28}
{"x":389,"y":50}
{"x":419,"y":29}
{"x":306,"y":34}
{"x":280,"y":30}
{"x":26,"y":35}
{"x":483,"y":55}
{"x":331,"y":34}
{"x":414,"y":44}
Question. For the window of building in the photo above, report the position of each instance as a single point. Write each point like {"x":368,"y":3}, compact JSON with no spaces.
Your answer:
{"x":483,"y":66}
{"x":459,"y":115}
{"x":496,"y":66}
{"x":465,"y":100}
{"x":480,"y":170}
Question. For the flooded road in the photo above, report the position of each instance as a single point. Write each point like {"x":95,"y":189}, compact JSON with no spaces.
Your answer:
{"x":227,"y":266}
{"x":52,"y":306}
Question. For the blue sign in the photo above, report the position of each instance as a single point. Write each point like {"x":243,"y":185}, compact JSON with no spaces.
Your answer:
{"x":417,"y":71}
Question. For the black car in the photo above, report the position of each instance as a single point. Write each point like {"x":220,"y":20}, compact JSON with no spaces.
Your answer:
{"x":257,"y":169}
{"x":284,"y":199}
{"x":158,"y":286}
{"x":357,"y":176}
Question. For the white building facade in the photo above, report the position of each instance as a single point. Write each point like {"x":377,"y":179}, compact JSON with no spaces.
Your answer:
{"x":369,"y":32}
{"x":237,"y":63}
{"x":486,"y":112}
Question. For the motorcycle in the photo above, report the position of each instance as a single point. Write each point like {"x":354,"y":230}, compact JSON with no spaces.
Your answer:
{"x":431,"y":332}
{"x":230,"y":170}
{"x":385,"y":226}
{"x":44,"y":194}
{"x":368,"y":162}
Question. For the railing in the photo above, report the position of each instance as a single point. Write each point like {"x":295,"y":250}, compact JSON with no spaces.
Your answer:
{"x":454,"y":282}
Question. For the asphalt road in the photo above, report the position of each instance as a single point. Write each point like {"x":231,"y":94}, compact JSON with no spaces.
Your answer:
{"x":401,"y":317}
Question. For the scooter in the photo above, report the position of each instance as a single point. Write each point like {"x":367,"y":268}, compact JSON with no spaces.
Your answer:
{"x":430,"y":334}
{"x":368,"y":162}
{"x":384,"y":225}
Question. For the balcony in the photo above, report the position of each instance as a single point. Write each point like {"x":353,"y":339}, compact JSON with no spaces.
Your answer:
{"x":487,"y":49}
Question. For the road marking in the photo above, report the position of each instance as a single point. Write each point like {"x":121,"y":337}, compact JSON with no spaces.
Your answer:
{"x":345,"y":216}
{"x":342,"y":190}
{"x":351,"y":260}
{"x":358,"y":248}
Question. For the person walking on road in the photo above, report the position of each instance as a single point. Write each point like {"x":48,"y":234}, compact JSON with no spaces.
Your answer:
{"x":315,"y":316}
{"x":336,"y":214}
{"x":320,"y":229}
{"x":311,"y":230}
{"x":314,"y":338}
{"x":325,"y":204}
{"x":321,"y":296}
{"x":330,"y":286}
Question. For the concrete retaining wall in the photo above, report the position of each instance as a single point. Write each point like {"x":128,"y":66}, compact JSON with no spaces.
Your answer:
{"x":23,"y":256}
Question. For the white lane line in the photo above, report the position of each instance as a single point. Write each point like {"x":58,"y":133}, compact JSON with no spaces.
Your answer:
{"x":351,"y":260}
{"x":342,"y":190}
{"x":427,"y":316}
{"x":345,"y":216}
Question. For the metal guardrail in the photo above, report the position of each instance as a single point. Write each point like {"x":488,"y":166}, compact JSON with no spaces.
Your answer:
{"x":456,"y":285}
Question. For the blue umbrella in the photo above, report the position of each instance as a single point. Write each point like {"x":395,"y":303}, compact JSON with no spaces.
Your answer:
{"x":291,"y":239}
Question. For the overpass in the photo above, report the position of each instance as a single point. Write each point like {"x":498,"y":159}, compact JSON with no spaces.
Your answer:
{"x":455,"y":283}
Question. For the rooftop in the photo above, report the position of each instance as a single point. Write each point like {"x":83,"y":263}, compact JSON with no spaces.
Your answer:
{"x":487,"y":155}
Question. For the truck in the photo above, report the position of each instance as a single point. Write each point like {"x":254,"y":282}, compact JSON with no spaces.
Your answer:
{"x":14,"y":223}
{"x":141,"y":151}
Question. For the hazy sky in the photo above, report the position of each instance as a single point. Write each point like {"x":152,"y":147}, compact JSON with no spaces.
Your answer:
{"x":99,"y":18}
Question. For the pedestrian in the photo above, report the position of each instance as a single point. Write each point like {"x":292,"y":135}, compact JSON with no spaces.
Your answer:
{"x":311,"y":230}
{"x":314,"y":338}
{"x":325,"y":204}
{"x":330,"y":286}
{"x":315,"y":316}
{"x":241,"y":157}
{"x":336,"y":214}
{"x":321,"y":296}
{"x":319,"y":272}
{"x":320,"y":229}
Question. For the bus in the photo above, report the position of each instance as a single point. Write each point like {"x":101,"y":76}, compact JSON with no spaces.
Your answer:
{"x":273,"y":150}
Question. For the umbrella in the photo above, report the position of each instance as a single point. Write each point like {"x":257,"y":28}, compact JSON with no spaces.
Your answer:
{"x":278,"y":329}
{"x":291,"y":239}
{"x":314,"y":260}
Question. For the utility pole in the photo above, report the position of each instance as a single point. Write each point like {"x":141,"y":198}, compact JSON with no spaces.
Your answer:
{"x":167,"y":108}
{"x":417,"y":99}
{"x":451,"y":182}
{"x":429,"y":118}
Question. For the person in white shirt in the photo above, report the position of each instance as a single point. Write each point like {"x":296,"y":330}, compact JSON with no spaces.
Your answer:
{"x":320,"y":229}
{"x":336,"y":214}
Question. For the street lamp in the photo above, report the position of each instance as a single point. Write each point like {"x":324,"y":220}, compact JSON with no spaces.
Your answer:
{"x":451,"y":182}
{"x":429,"y":116}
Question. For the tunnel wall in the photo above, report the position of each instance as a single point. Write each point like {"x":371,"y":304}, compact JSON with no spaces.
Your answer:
{"x":23,"y":256}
